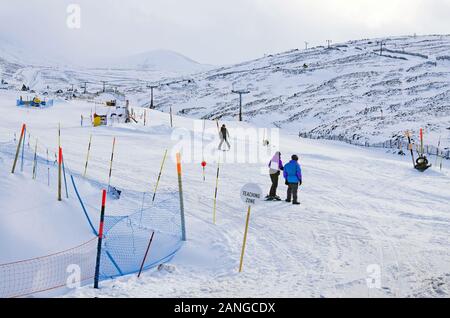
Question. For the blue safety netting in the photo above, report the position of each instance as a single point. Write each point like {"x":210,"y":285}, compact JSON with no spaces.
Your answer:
{"x":127,"y":236}
{"x":129,"y":221}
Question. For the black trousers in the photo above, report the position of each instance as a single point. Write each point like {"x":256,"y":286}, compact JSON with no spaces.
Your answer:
{"x":292,"y":191}
{"x":273,"y":189}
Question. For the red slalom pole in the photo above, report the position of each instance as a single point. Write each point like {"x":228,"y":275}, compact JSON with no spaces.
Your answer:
{"x":59,"y":173}
{"x":146,"y":253}
{"x":100,"y":239}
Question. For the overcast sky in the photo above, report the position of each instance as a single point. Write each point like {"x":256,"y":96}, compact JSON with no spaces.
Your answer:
{"x":212,"y":31}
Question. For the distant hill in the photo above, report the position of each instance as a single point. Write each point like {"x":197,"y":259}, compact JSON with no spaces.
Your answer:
{"x":158,"y":60}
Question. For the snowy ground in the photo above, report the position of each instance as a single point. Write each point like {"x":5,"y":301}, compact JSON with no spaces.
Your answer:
{"x":362,"y":209}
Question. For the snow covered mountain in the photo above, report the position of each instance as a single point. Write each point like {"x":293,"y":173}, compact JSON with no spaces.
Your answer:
{"x":157,"y":60}
{"x":353,"y":89}
{"x":348,"y":89}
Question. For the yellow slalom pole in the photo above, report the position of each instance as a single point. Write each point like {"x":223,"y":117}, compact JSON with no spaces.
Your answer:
{"x":111,"y":163}
{"x":216,"y":190}
{"x":87,"y":157}
{"x":159,"y":176}
{"x":245,"y":239}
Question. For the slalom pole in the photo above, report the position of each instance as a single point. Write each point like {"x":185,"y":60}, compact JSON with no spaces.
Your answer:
{"x":59,"y":163}
{"x":59,"y":173}
{"x":245,"y":239}
{"x":64,"y":173}
{"x":437,"y":151}
{"x":145,"y":117}
{"x":180,"y":187}
{"x":410,"y":146}
{"x":111,"y":163}
{"x":87,"y":157}
{"x":35,"y":161}
{"x":23,"y":149}
{"x":159,"y":176}
{"x":171,"y":117}
{"x":215,"y":192}
{"x":48,"y":170}
{"x":146,"y":253}
{"x":100,"y":239}
{"x":18,"y":148}
{"x":421,"y":141}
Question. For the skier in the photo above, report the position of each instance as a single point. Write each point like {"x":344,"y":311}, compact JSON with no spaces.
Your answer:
{"x":275,"y":166}
{"x":293,"y":175}
{"x":224,"y":135}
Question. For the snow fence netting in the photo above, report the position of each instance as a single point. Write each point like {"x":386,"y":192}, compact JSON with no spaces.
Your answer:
{"x":129,"y":224}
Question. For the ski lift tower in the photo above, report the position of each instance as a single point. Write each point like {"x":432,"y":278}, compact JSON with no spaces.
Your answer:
{"x":152,"y":87}
{"x":240,"y":92}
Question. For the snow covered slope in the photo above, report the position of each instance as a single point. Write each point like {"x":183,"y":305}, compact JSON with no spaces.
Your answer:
{"x":362,"y":209}
{"x":348,"y":89}
{"x":157,"y":60}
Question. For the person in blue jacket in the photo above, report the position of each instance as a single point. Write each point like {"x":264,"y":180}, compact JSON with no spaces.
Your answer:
{"x":293,"y":175}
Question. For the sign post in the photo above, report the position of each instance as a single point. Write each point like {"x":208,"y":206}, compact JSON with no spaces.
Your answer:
{"x":251,"y":195}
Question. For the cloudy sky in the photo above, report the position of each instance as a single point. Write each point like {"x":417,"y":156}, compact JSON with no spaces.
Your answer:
{"x":211,"y":31}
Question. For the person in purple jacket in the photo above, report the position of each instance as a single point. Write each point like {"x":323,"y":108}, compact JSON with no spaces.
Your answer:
{"x":275,"y":166}
{"x":293,"y":175}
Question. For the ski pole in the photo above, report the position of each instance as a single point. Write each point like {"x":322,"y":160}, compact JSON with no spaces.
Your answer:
{"x":159,"y":176}
{"x":146,"y":253}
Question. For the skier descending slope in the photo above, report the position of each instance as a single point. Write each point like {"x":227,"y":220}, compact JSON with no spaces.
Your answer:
{"x":293,"y":175}
{"x":275,"y":166}
{"x":224,"y":136}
